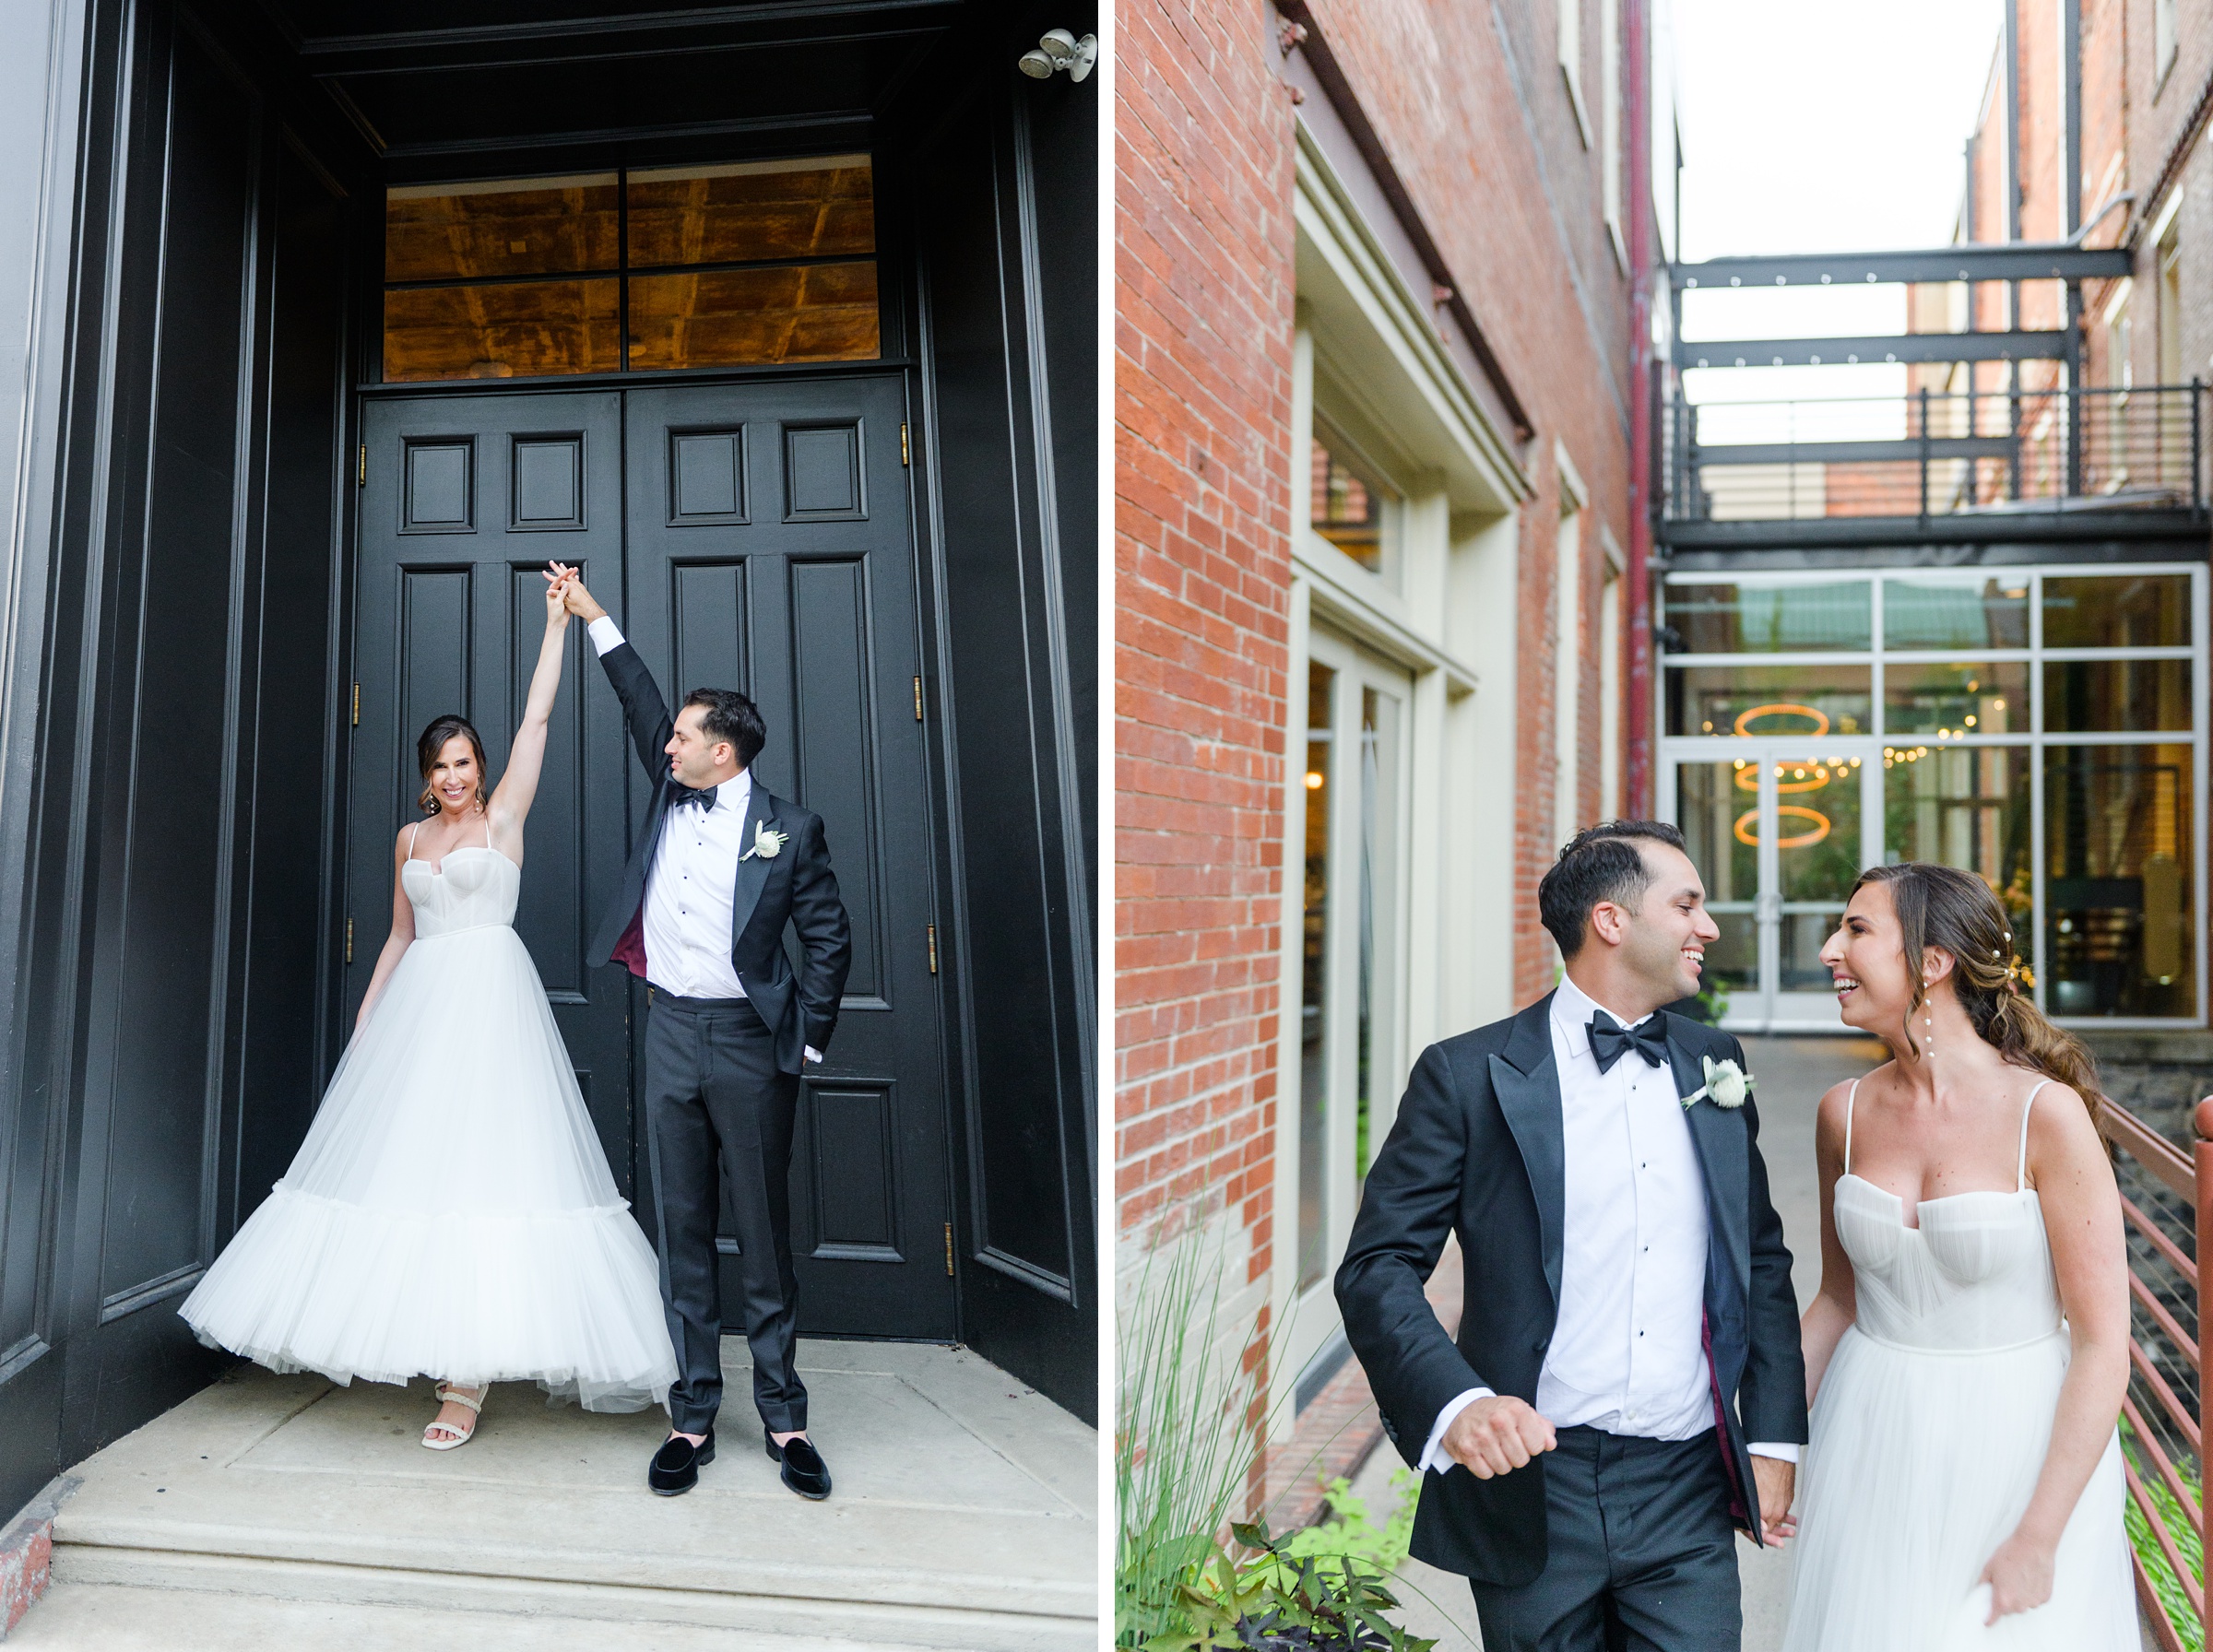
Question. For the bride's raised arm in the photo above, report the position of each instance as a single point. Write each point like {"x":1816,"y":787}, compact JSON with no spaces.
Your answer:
{"x":518,"y":786}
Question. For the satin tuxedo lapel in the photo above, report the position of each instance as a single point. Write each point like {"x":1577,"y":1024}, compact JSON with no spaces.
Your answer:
{"x":1526,"y":1082}
{"x":752,"y":869}
{"x":1718,"y":1135}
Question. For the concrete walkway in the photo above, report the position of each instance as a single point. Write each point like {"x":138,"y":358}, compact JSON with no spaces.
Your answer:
{"x":288,"y":1511}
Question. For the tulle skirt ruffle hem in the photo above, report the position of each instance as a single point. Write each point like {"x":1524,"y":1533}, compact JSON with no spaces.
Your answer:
{"x":451,"y":1213}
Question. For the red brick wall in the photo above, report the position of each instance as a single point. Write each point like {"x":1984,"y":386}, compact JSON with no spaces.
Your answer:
{"x":1203,"y":293}
{"x":1204,"y":145}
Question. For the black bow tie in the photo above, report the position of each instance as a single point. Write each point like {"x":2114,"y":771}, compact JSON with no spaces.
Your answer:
{"x":685,"y":796}
{"x":1610,"y":1041}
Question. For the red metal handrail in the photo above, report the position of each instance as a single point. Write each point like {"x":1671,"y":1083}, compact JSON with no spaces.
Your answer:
{"x":2166,"y":1348}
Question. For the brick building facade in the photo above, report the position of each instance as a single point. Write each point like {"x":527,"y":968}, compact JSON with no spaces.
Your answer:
{"x":1377,"y":583}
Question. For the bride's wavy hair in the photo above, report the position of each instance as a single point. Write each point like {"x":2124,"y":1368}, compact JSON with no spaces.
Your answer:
{"x":431,"y":741}
{"x":1956,"y":912}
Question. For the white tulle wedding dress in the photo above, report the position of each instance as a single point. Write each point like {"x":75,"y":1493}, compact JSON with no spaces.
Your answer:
{"x":451,"y":1213}
{"x":1929,"y":1431}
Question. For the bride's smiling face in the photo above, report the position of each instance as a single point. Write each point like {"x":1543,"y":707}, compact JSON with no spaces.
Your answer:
{"x":454,"y":777}
{"x":1866,"y":958}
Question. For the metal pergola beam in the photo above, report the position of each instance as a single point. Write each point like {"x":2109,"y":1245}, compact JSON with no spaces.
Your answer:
{"x":2022,"y":344}
{"x":2138,"y":525}
{"x":1705,"y":455}
{"x":1988,"y":261}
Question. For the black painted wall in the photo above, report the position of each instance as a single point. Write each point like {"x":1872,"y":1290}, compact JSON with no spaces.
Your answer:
{"x":1010,"y":420}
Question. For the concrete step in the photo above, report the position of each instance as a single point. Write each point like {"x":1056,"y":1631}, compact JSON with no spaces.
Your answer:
{"x":97,"y":1617}
{"x":963,"y":1516}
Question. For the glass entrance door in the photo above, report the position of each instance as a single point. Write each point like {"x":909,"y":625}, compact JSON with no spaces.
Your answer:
{"x":1778,"y":830}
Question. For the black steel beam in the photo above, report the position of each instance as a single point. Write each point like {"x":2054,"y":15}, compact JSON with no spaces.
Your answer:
{"x":1984,"y":261}
{"x":2009,"y":527}
{"x":1911,"y":451}
{"x":2022,"y":345}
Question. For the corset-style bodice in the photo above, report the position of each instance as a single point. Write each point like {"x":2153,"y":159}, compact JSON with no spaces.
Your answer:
{"x":1975,"y":1275}
{"x":474,"y":889}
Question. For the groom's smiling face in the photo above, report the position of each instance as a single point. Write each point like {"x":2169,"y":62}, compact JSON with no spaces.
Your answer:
{"x":1663,"y":939}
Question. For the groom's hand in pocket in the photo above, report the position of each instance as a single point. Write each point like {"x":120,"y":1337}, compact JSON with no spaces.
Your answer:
{"x":1496,"y":1434}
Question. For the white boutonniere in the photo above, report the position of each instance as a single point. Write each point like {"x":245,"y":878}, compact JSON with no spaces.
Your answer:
{"x":1726,"y":1085}
{"x":767,"y":845}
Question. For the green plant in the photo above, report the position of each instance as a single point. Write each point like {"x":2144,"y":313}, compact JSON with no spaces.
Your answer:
{"x":1349,"y":1534}
{"x":2164,"y":1582}
{"x":1183,"y":1441}
{"x":1714,"y":999}
{"x":1280,"y":1601}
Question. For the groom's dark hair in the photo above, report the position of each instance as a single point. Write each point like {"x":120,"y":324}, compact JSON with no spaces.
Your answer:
{"x":1600,"y":863}
{"x":729,"y":715}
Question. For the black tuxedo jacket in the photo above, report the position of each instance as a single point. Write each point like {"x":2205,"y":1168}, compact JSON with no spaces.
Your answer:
{"x":796,"y":886}
{"x":1477,"y":1150}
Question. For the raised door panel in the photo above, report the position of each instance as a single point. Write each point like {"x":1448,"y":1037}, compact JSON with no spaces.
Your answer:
{"x":771,"y":551}
{"x":467,"y":500}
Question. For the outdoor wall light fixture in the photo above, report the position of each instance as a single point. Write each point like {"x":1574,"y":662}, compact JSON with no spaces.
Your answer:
{"x":1058,"y":49}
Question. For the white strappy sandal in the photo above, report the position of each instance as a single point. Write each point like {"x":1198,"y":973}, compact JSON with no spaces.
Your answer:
{"x":449,"y":1394}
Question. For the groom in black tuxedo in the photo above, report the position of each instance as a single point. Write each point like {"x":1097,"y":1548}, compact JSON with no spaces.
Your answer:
{"x":721,"y":870}
{"x":1626,"y":1391}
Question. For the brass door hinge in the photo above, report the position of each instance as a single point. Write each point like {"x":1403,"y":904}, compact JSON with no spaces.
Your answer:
{"x":948,"y":1250}
{"x":361,"y":467}
{"x":933,"y":948}
{"x":357,"y":705}
{"x":349,"y":940}
{"x":917,"y":699}
{"x":902,"y":449}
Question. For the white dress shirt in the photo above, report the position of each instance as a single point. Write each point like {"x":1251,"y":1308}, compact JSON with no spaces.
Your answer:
{"x":691,"y":889}
{"x":1628,"y":1354}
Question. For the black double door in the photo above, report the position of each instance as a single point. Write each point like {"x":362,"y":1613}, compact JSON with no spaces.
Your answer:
{"x":754,"y":536}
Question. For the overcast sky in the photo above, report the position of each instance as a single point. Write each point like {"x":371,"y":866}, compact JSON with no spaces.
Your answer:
{"x":1813,"y":128}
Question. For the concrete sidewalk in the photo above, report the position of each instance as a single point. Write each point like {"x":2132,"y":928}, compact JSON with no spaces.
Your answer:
{"x":288,"y":1511}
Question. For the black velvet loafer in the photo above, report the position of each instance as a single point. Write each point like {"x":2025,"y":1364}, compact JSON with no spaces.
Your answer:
{"x":804,"y":1470}
{"x":677,"y":1464}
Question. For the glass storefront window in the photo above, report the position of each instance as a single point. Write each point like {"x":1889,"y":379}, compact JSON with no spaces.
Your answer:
{"x":1980,"y":697}
{"x":2023,"y":770}
{"x":1314,"y":1067}
{"x":1936,"y":613}
{"x":2116,"y":696}
{"x":1712,"y":804}
{"x":1965,"y":807}
{"x":749,"y":262}
{"x":1379,"y":906}
{"x":2119,"y":937}
{"x":1752,"y":619}
{"x":2136,"y":611}
{"x":1773,"y":701}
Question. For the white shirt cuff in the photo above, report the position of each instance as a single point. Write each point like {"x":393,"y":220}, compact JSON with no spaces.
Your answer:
{"x":1784,"y":1453}
{"x":1433,"y":1455}
{"x":607,"y":635}
{"x":815,"y":1055}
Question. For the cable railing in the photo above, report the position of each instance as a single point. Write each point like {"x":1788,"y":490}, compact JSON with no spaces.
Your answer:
{"x":1925,"y":455}
{"x":2167,"y":1206}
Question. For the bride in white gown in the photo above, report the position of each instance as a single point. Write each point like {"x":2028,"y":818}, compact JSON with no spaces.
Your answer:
{"x":1968,"y":1353}
{"x":451,"y":1213}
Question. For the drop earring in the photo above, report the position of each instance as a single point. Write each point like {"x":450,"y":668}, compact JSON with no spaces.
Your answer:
{"x":1928,"y":1021}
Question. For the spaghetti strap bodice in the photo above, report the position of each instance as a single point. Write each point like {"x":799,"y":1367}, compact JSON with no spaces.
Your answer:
{"x":1973,"y":1276}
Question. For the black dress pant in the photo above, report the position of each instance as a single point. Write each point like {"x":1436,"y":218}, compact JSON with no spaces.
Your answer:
{"x":717,"y":1110}
{"x":1640,"y":1554}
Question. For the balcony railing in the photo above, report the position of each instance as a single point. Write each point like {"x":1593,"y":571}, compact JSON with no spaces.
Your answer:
{"x":1982,"y":464}
{"x":2167,"y":1204}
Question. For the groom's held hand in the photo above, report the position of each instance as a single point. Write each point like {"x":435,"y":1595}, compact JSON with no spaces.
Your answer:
{"x":578,"y":600}
{"x":1497,"y":1434}
{"x":1777,"y":1483}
